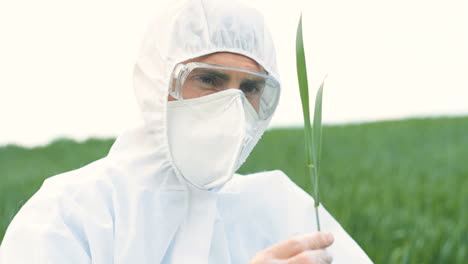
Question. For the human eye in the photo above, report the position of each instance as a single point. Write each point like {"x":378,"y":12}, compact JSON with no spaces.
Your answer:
{"x":251,"y":87}
{"x":206,"y":79}
{"x":207,"y":82}
{"x":209,"y":79}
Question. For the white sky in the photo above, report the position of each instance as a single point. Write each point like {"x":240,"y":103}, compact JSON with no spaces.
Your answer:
{"x":66,"y":66}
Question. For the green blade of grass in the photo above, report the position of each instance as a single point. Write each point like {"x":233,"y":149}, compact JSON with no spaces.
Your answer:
{"x":311,"y":151}
{"x":317,"y":127}
{"x":304,"y":90}
{"x":317,"y":140}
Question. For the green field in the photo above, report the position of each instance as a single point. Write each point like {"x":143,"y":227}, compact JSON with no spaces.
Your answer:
{"x":400,"y":188}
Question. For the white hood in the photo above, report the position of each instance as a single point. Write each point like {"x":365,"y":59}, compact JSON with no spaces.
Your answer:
{"x":184,"y":30}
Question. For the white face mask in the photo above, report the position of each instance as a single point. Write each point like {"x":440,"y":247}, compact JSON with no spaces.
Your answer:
{"x":210,"y":136}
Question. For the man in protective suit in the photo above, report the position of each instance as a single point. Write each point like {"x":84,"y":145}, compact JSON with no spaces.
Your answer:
{"x":207,"y":84}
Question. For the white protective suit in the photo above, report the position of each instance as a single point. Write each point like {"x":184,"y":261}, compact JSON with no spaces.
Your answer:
{"x":131,"y":207}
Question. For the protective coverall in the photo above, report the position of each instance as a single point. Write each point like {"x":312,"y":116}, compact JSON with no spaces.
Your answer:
{"x":131,"y":207}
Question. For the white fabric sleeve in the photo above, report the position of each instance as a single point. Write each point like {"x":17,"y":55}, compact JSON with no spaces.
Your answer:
{"x":40,"y":234}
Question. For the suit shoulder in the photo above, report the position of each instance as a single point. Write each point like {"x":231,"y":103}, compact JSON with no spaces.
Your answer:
{"x":77,"y":189}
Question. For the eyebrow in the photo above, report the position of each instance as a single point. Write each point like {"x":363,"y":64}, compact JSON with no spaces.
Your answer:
{"x":254,"y":81}
{"x":227,"y":77}
{"x":217,"y":74}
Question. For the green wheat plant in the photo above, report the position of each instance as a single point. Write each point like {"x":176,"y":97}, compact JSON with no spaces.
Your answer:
{"x":313,"y":134}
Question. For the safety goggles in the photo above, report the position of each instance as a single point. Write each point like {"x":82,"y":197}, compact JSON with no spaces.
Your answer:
{"x":195,"y":79}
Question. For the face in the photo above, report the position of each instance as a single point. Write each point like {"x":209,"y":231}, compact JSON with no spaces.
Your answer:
{"x":250,"y":85}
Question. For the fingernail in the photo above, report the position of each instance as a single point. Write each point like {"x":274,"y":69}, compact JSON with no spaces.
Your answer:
{"x":328,"y":237}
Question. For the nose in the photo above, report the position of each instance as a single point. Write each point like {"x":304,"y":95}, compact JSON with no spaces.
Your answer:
{"x":234,"y":83}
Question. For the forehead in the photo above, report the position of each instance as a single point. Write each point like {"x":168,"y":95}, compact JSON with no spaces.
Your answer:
{"x":230,"y":60}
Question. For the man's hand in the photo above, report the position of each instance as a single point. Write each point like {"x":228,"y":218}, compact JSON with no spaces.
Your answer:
{"x":308,"y":249}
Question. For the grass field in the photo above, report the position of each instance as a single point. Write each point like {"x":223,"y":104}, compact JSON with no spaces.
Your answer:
{"x":400,"y":188}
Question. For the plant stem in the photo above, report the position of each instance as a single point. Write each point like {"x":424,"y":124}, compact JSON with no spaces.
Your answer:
{"x":312,"y":144}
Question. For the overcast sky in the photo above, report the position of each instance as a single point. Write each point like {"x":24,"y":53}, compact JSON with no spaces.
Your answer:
{"x":66,"y":66}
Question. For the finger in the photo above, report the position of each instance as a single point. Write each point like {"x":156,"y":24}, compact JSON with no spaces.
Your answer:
{"x":294,"y":246}
{"x":318,"y":256}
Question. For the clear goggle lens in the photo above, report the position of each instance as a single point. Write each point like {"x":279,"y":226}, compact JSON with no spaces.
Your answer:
{"x":194,"y":80}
